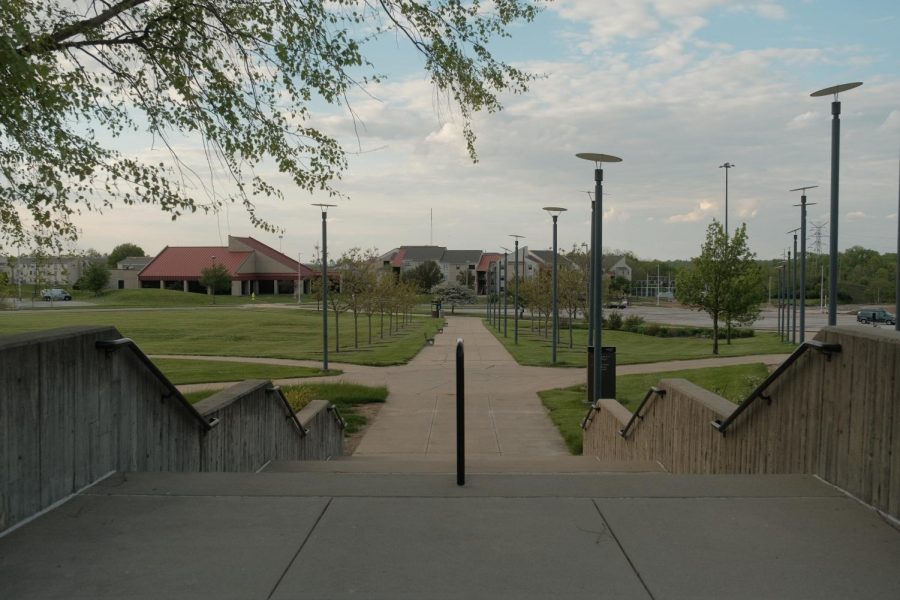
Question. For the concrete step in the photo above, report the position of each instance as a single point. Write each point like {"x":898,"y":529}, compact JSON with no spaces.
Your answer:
{"x":475,"y":464}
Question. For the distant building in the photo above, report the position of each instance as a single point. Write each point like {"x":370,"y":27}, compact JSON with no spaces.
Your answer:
{"x":125,"y":275}
{"x":451,"y":262}
{"x":59,"y":271}
{"x":255,"y":268}
{"x":616,"y":266}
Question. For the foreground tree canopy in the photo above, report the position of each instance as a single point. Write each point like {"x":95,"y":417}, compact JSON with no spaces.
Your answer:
{"x":239,"y":75}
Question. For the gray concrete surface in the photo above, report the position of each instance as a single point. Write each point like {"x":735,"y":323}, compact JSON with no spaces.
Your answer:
{"x":390,"y":522}
{"x":330,"y":535}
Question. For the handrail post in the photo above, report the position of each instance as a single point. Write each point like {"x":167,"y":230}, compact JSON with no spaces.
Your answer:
{"x":460,"y":414}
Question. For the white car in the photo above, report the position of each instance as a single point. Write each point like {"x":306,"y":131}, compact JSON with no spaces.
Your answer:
{"x":55,"y":294}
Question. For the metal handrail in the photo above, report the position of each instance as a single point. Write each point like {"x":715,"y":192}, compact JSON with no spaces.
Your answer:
{"x":333,"y":409}
{"x":586,"y":421}
{"x":113,"y":345}
{"x":826,"y":349}
{"x":637,"y":413}
{"x":291,"y":415}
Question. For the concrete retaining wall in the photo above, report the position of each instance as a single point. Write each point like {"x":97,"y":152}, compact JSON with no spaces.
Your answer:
{"x":837,"y":418}
{"x":71,"y":413}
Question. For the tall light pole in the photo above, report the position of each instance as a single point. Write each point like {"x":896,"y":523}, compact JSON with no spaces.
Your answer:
{"x":794,"y":289}
{"x":726,"y":166}
{"x":516,"y":303}
{"x":324,"y":208}
{"x":555,"y":211}
{"x":505,"y":286}
{"x":803,"y":204}
{"x":596,"y":265}
{"x":835,"y":184}
{"x":780,"y":270}
{"x":497,"y":303}
{"x":590,"y":282}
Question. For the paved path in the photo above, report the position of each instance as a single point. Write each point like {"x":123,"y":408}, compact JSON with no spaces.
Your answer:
{"x":504,"y":416}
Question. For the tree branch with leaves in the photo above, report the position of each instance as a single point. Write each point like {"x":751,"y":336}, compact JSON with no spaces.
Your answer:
{"x":237,"y":77}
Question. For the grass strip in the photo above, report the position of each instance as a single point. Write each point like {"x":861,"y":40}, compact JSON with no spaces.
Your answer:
{"x":273,"y":332}
{"x":631,"y":348}
{"x":567,"y":406}
{"x":184,"y":371}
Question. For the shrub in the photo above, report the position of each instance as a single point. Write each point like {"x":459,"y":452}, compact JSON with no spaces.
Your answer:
{"x":633,"y":323}
{"x":614,"y":321}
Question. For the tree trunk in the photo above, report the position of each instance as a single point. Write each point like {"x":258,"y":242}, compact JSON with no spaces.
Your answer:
{"x":370,"y":328}
{"x":355,"y":330}
{"x":716,"y":334}
{"x":337,"y":331}
{"x":571,"y":318}
{"x":381,"y":334}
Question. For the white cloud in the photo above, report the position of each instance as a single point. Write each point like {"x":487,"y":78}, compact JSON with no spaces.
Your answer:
{"x":856,"y":215}
{"x":803,"y":120}
{"x":892,"y":122}
{"x":704,"y":210}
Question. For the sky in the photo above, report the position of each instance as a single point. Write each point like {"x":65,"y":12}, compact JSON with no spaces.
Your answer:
{"x":673,"y":87}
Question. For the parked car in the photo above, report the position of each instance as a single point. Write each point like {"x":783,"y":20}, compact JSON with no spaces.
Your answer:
{"x":623,"y":303}
{"x":55,"y":294}
{"x":875,"y":315}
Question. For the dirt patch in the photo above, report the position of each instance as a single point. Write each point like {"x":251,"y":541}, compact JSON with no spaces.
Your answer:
{"x":369,"y":411}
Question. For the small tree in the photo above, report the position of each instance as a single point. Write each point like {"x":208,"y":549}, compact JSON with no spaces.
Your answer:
{"x":95,"y":277}
{"x":216,"y":278}
{"x":465,"y":279}
{"x":717,"y":280}
{"x":123,"y":251}
{"x":455,"y":295}
{"x":358,"y":281}
{"x":424,"y":276}
{"x":7,"y":291}
{"x":572,"y":294}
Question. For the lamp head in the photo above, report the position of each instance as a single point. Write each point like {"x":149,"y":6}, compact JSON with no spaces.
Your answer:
{"x":555,"y":211}
{"x":598,"y":158}
{"x":836,"y":89}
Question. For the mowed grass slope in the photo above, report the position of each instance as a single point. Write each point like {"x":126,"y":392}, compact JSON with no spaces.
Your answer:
{"x":180,"y":371}
{"x":568,"y":406}
{"x":631,"y":348}
{"x":256,"y":332}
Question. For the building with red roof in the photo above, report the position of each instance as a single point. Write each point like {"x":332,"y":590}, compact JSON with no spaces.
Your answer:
{"x":255,"y":268}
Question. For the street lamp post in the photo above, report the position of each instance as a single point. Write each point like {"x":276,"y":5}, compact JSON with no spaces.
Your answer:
{"x":780,"y":270}
{"x":803,"y":204}
{"x":497,"y":290}
{"x":590,"y":283}
{"x":794,"y":290}
{"x":516,"y":302}
{"x":555,"y":211}
{"x":596,"y":250}
{"x":324,"y":208}
{"x":505,"y":288}
{"x":726,"y":166}
{"x":835,"y":181}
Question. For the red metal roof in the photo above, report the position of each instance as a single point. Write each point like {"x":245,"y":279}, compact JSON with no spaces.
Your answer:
{"x":397,"y":261}
{"x":276,"y":255}
{"x":186,"y":262}
{"x":486,"y":259}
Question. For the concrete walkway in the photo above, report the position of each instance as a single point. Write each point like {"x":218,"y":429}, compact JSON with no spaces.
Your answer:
{"x":221,"y":536}
{"x":558,"y":529}
{"x":504,"y":416}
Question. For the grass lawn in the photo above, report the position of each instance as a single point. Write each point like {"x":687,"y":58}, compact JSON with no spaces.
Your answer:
{"x":257,"y":332}
{"x":631,"y":348}
{"x":156,"y":298}
{"x":181,"y":372}
{"x":567,"y":406}
{"x":346,"y":396}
